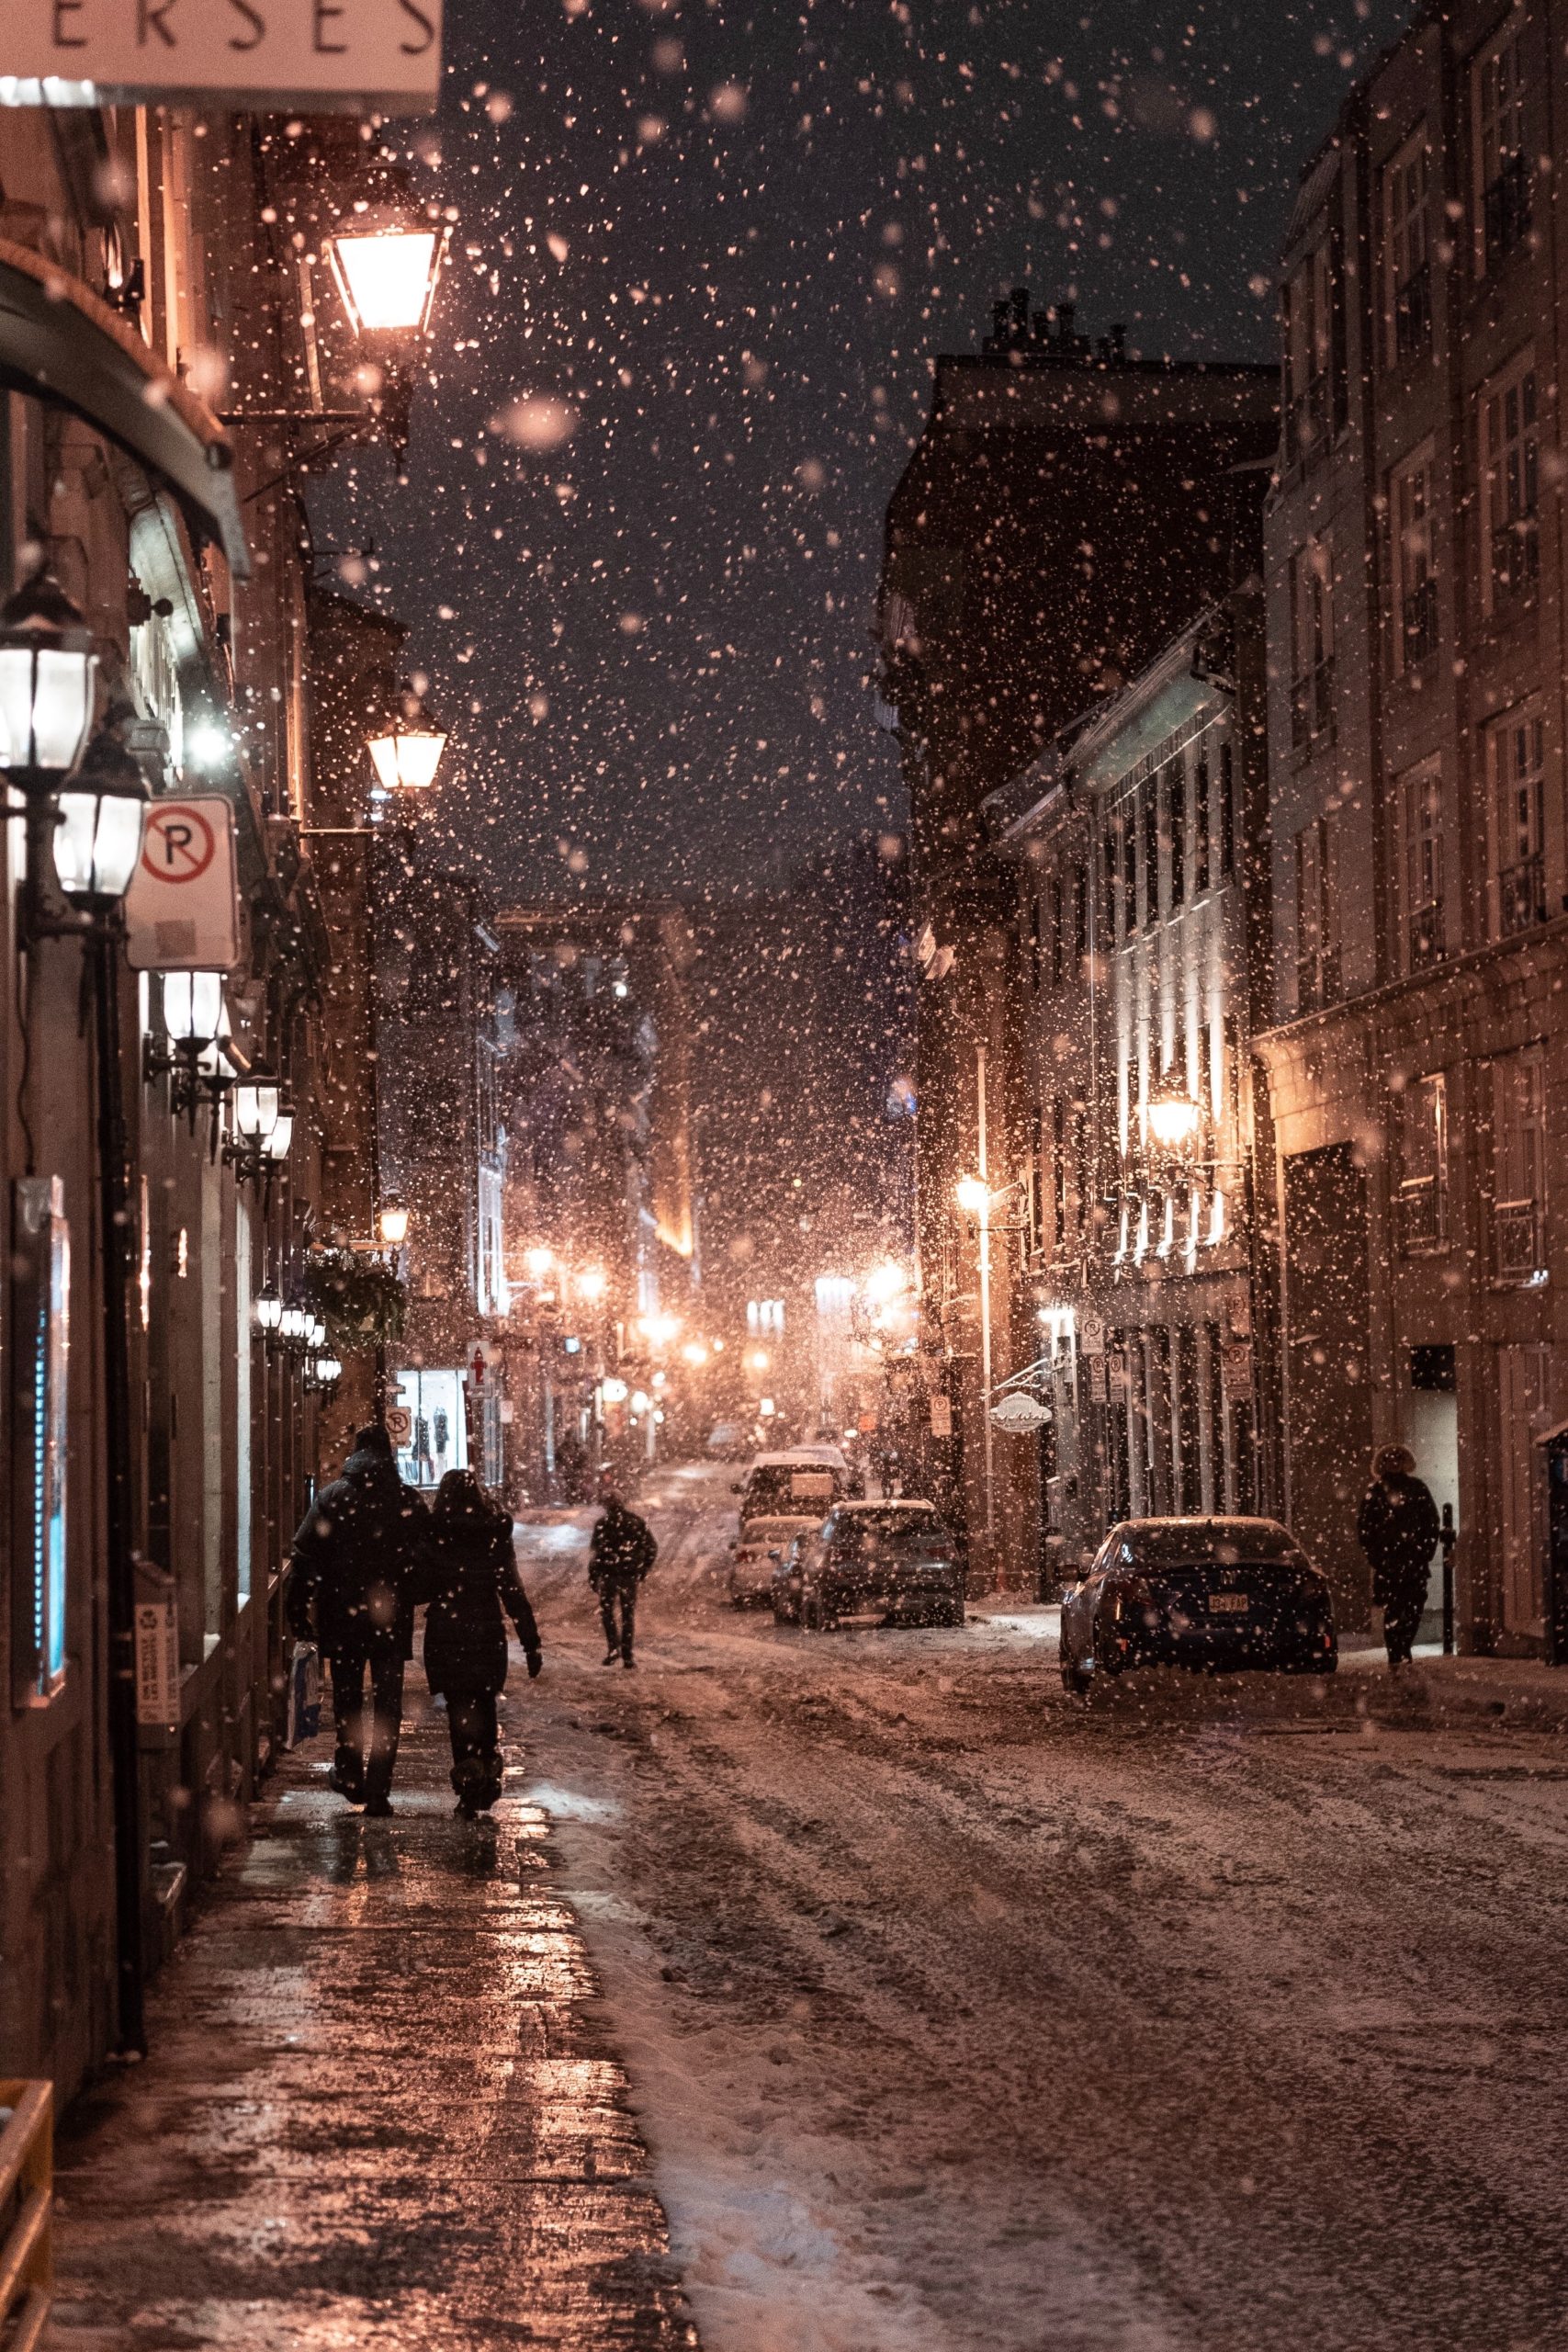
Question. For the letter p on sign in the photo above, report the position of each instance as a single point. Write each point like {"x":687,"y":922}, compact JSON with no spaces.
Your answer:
{"x":182,"y":911}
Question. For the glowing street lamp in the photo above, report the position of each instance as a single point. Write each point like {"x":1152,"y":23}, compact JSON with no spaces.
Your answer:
{"x":47,"y":672}
{"x":1174,"y":1120}
{"x":972,"y":1196}
{"x":406,"y":751}
{"x":539,"y":1263}
{"x":592,"y":1285}
{"x":387,"y":267}
{"x":393,"y":1224}
{"x":102,"y":811}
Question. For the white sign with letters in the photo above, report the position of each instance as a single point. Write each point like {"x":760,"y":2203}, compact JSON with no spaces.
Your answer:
{"x":260,"y":52}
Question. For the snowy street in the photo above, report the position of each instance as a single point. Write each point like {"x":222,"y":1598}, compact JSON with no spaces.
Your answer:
{"x":959,"y":2015}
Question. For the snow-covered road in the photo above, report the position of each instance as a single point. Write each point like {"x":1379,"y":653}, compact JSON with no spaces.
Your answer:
{"x":960,"y":2015}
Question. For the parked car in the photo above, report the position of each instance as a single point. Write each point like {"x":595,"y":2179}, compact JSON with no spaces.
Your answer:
{"x":899,"y":1557}
{"x":726,"y":1440}
{"x":1216,"y":1594}
{"x":757,"y":1551}
{"x":796,"y":1483}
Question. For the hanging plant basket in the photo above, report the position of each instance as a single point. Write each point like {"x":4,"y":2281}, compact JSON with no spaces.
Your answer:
{"x":362,"y":1302}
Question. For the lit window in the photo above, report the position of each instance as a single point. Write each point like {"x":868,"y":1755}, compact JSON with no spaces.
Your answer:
{"x":1516,"y":766}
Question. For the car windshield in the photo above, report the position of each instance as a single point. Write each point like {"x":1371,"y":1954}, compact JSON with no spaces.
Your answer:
{"x":874,"y":1534}
{"x":772,"y":1531}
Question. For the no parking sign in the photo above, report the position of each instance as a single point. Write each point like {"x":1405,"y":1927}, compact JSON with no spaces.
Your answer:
{"x":182,"y":911}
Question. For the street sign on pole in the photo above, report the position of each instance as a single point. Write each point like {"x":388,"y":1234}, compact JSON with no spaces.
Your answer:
{"x":182,"y":911}
{"x":253,"y":55}
{"x":400,"y":1426}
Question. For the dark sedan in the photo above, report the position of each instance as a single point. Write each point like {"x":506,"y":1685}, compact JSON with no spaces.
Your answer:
{"x":1217,"y":1594}
{"x":896,"y":1557}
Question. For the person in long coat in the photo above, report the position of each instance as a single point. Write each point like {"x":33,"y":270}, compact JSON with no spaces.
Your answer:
{"x":351,"y":1590}
{"x":1399,"y":1530}
{"x":620,"y":1555}
{"x":468,"y":1575}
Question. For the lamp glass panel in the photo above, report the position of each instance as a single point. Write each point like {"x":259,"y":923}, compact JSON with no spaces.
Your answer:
{"x":46,"y":705}
{"x":282,"y":1136}
{"x":269,"y":1310}
{"x":385,"y":279}
{"x":419,"y":756}
{"x":384,"y":757}
{"x":394,"y":1227}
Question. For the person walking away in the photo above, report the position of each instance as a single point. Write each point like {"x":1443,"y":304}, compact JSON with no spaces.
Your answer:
{"x":353,"y":1568}
{"x":620,"y":1556}
{"x":468,"y":1575}
{"x":1399,"y":1530}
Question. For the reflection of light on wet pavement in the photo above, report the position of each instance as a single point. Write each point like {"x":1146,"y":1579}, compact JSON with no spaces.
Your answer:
{"x":569,"y":1804}
{"x":378,"y":2112}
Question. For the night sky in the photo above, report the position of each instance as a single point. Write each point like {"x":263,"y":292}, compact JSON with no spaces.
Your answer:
{"x":723,"y":247}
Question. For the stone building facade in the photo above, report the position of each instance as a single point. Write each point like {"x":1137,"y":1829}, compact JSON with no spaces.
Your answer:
{"x":1141,"y":961}
{"x":1416,"y":1067}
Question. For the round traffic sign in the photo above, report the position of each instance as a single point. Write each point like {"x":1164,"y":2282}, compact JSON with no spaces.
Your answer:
{"x":179,"y":844}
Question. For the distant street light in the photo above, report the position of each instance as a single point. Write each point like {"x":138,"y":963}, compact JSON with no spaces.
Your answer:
{"x":394,"y":1224}
{"x":538,"y":1262}
{"x":592,"y":1285}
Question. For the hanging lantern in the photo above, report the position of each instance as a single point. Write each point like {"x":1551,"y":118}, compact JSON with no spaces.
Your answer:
{"x":47,"y":672}
{"x":102,"y":811}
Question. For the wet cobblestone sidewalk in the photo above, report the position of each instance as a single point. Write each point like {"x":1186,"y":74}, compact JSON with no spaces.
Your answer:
{"x":379,"y":2109}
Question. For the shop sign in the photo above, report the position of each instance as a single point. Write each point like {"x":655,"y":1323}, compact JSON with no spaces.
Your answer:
{"x":1020,"y":1414}
{"x":242,"y":53}
{"x":182,"y":911}
{"x":157,"y":1665}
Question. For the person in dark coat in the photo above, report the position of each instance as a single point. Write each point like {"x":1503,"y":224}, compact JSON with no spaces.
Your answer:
{"x":468,"y":1575}
{"x":352,"y":1589}
{"x":621,"y":1553}
{"x":1399,"y":1530}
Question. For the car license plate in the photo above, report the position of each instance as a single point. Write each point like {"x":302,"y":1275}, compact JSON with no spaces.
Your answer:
{"x":1229,"y":1604}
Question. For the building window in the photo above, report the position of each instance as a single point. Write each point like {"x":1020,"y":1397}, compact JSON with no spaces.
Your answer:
{"x":1420,"y":812}
{"x":1516,"y":774}
{"x":765,"y":1314}
{"x":1037,"y":1182}
{"x":1415,"y":582}
{"x":1317,"y":951}
{"x":1502,"y":163}
{"x":1407,"y":273}
{"x":1510,"y":484}
{"x":1309,"y":339}
{"x":1151,"y":852}
{"x":1059,"y":1174}
{"x":1424,"y":1164}
{"x":1518,"y":1208}
{"x":1312,"y":642}
{"x":1176,"y":816}
{"x":1227,"y":811}
{"x":1201,"y":844}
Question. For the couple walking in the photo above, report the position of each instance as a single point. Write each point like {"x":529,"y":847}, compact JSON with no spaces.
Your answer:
{"x":369,"y":1552}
